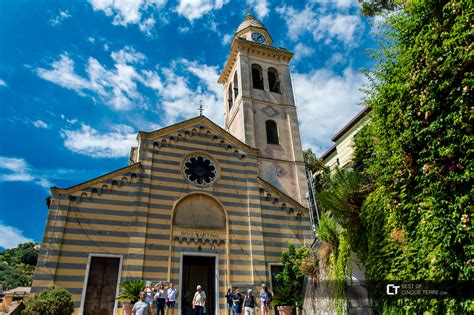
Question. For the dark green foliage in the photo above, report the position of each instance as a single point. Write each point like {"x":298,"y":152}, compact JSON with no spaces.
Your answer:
{"x":364,"y":146}
{"x":17,"y":265}
{"x":327,"y":229}
{"x":312,"y":162}
{"x":343,"y":194}
{"x":376,"y":7}
{"x":54,"y":301}
{"x":290,"y":288}
{"x":317,"y":167}
{"x":129,"y":291}
{"x":417,"y":221}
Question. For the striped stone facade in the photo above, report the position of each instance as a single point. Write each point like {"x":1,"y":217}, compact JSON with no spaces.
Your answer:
{"x":129,"y":214}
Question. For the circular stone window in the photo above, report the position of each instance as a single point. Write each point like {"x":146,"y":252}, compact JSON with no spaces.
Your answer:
{"x":200,"y":170}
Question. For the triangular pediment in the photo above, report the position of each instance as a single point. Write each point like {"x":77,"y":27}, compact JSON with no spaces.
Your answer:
{"x":273,"y":192}
{"x":117,"y":178}
{"x":197,"y":125}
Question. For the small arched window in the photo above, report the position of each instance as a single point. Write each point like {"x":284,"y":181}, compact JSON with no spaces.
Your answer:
{"x":236,"y":86}
{"x":272,"y":132}
{"x":273,"y":80}
{"x":257,"y":77}
{"x":229,"y":96}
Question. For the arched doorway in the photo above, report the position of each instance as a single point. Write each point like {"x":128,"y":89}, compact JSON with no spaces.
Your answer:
{"x":200,"y":241}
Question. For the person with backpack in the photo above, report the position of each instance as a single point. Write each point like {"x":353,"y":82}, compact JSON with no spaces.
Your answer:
{"x":266,"y":298}
{"x":250,"y":303}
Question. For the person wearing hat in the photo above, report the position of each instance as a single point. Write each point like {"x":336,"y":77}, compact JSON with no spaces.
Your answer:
{"x":250,"y":303}
{"x":265,"y":297}
{"x":199,"y":301}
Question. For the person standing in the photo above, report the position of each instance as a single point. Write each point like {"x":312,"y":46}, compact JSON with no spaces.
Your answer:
{"x":265,"y":298}
{"x":229,"y":302}
{"x":149,"y":293}
{"x":199,"y":301}
{"x":160,"y":298}
{"x":238,"y":300}
{"x":250,"y":303}
{"x":171,"y":294}
{"x":141,"y":307}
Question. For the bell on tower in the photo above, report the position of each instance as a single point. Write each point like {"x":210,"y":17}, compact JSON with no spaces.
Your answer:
{"x":260,"y":107}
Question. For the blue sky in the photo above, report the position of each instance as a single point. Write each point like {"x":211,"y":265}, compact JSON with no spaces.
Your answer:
{"x":79,"y":79}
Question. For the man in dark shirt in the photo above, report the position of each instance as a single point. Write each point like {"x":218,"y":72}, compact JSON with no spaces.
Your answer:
{"x":238,"y":300}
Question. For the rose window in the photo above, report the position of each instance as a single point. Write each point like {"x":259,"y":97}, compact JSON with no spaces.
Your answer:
{"x":200,"y":170}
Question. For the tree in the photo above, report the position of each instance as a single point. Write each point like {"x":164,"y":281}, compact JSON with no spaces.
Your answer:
{"x":317,"y":168}
{"x":17,"y":265}
{"x":312,"y":162}
{"x":52,"y":301}
{"x":376,"y":7}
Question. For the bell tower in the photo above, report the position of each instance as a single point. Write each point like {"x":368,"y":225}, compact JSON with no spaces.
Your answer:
{"x":259,"y":106}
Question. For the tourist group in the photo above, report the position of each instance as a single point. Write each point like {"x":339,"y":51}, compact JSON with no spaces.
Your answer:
{"x":164,"y":296}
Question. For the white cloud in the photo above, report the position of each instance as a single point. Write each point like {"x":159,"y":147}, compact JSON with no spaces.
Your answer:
{"x":325,"y":102}
{"x":147,"y":25}
{"x":340,"y":26}
{"x":260,"y":7}
{"x":60,"y":18}
{"x":40,"y":124}
{"x":126,"y":12}
{"x":115,"y":87}
{"x":302,"y":51}
{"x":178,"y":88}
{"x":298,"y":22}
{"x":323,"y":25}
{"x":88,"y":141}
{"x":196,"y":9}
{"x":180,"y":100}
{"x":11,"y":236}
{"x":345,"y":3}
{"x":68,"y":120}
{"x":3,"y":83}
{"x":227,"y":38}
{"x":18,"y":170}
{"x":14,"y":169}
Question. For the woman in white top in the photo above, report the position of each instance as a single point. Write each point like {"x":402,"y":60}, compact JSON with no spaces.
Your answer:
{"x":160,"y":298}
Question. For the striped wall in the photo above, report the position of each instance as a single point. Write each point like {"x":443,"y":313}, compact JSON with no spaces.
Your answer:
{"x":129,"y":213}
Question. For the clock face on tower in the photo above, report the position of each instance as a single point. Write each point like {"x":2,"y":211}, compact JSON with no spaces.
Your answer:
{"x":258,"y":38}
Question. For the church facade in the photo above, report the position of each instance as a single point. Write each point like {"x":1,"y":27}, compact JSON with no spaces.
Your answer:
{"x":197,"y":204}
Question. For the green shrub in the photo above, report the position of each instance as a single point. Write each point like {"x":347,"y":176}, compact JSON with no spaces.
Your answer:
{"x":290,"y":288}
{"x":129,"y":291}
{"x":53,"y":301}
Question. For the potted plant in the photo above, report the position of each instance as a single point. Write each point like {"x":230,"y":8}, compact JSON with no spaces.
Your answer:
{"x":283,"y":300}
{"x":289,"y":288}
{"x":129,"y":292}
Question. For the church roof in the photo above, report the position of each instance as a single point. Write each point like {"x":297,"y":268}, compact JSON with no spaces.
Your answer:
{"x":199,"y":119}
{"x":249,"y":20}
